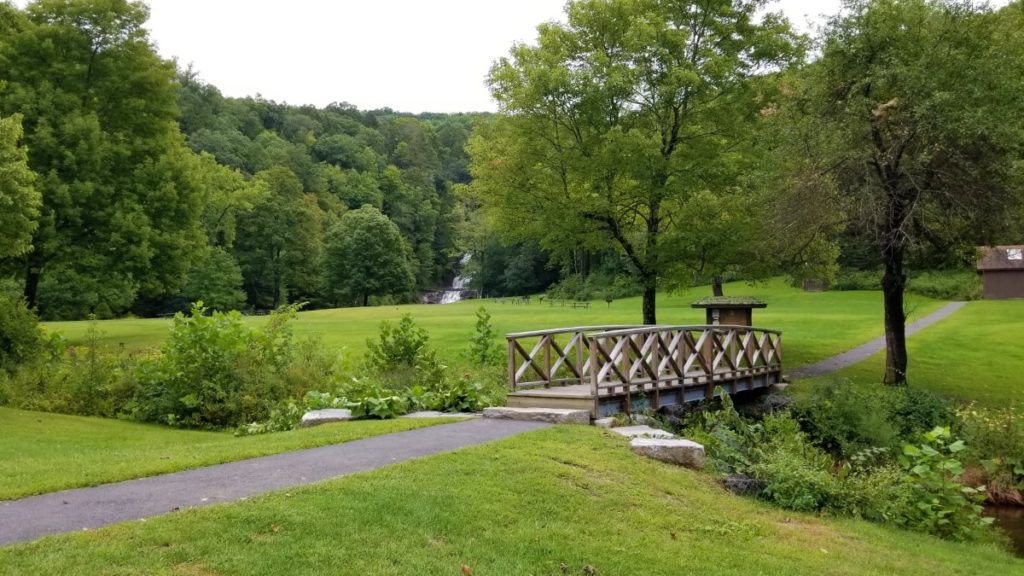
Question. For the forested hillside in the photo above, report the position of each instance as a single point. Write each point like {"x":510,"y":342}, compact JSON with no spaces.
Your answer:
{"x":147,"y":189}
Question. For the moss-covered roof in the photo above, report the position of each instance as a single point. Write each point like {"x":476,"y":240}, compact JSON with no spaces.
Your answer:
{"x":729,"y":302}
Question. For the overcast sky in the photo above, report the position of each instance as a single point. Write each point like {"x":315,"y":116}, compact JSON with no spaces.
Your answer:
{"x":409,"y":55}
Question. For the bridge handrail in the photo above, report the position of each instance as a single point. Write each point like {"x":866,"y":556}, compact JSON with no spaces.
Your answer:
{"x":553,"y":331}
{"x":631,"y":330}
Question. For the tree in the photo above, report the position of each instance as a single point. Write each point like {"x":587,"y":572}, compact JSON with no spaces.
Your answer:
{"x":121,"y":197}
{"x":915,"y":114}
{"x":19,"y":200}
{"x":366,"y":256}
{"x":278,"y":243}
{"x":615,"y":120}
{"x":216,"y":280}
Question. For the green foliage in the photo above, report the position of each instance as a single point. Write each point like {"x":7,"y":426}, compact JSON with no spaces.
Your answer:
{"x":215,"y":371}
{"x":399,"y":347}
{"x":947,"y":285}
{"x":849,"y":279}
{"x":942,"y":505}
{"x":366,"y":256}
{"x":216,"y":279}
{"x":846,"y":418}
{"x":19,"y":200}
{"x":21,"y":338}
{"x":995,"y":441}
{"x":618,"y":104}
{"x":483,"y":350}
{"x":792,"y":471}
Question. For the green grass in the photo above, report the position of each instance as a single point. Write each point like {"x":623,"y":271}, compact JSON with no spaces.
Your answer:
{"x":814,"y":325}
{"x":974,"y":354}
{"x":42,"y":452}
{"x":520,"y":506}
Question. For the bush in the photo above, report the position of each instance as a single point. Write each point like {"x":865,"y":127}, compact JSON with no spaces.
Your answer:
{"x":483,"y":350}
{"x":845,"y":418}
{"x":947,"y":284}
{"x":21,"y":338}
{"x":785,"y":467}
{"x":943,"y":506}
{"x":216,"y":371}
{"x":848,"y":279}
{"x":995,"y":441}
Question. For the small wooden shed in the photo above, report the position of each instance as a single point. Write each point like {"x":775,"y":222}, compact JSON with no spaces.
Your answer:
{"x":729,"y":311}
{"x":1002,"y":271}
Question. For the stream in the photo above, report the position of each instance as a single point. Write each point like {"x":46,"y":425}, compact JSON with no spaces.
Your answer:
{"x":1011,"y":520}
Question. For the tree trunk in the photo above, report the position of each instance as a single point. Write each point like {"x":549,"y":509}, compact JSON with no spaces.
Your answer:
{"x":366,"y":299}
{"x":716,"y":286}
{"x":32,"y":275}
{"x":893,"y":283}
{"x":650,"y":296}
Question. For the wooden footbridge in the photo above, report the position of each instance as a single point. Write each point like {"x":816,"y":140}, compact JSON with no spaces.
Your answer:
{"x":612,"y":369}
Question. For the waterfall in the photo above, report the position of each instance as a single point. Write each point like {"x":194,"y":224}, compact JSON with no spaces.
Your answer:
{"x":459,"y":283}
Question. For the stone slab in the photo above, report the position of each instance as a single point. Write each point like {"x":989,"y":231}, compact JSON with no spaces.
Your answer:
{"x":679,"y":451}
{"x":608,"y":422}
{"x":318,"y":417}
{"x":642,"y":432}
{"x":437,"y":414}
{"x":550,"y":415}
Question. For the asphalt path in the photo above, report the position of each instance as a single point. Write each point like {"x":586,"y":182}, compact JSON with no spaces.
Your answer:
{"x":85,"y":508}
{"x":863,"y":351}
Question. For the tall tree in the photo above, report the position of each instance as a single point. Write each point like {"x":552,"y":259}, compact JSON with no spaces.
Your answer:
{"x":279,"y":242}
{"x":19,"y":200}
{"x":366,"y":256}
{"x":121,"y":197}
{"x":613,"y":121}
{"x":915,"y":111}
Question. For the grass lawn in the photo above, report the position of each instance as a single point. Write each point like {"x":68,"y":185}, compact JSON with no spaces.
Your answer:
{"x":520,"y":506}
{"x":815,"y":325}
{"x":41,"y":452}
{"x":975,"y":354}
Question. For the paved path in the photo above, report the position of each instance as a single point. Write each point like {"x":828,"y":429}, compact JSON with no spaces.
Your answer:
{"x":861,"y":352}
{"x":30,"y":518}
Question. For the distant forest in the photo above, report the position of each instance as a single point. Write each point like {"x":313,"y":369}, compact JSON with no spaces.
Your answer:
{"x":148,"y":189}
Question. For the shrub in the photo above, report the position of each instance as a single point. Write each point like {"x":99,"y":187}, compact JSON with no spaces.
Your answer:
{"x":215,"y":371}
{"x":947,"y":284}
{"x":995,"y":440}
{"x":844,"y":418}
{"x":943,"y":506}
{"x":849,"y":279}
{"x":397,"y":347}
{"x":483,"y":351}
{"x":21,"y":338}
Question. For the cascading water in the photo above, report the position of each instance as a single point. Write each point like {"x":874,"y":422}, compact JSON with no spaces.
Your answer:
{"x":459,"y":284}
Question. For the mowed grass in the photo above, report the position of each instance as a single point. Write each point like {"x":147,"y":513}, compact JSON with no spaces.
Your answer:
{"x":41,"y":452}
{"x":520,"y":506}
{"x":975,"y":354}
{"x":814,"y":325}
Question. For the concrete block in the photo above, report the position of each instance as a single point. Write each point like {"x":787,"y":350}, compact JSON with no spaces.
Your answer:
{"x":677,"y":451}
{"x":642,"y":432}
{"x":552,"y":415}
{"x":318,"y":417}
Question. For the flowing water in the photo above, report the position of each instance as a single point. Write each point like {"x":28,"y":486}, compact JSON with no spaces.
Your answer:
{"x":454,"y":294}
{"x":1011,"y":520}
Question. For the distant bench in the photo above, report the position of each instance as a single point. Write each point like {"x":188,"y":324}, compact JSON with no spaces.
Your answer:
{"x":581,"y":304}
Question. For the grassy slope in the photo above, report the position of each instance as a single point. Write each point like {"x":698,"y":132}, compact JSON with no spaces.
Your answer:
{"x":520,"y":506}
{"x":815,"y":325}
{"x":42,"y":452}
{"x":973,"y":355}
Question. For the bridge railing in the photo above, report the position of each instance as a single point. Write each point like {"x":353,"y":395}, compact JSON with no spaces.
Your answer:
{"x":626,"y":360}
{"x":546,"y":358}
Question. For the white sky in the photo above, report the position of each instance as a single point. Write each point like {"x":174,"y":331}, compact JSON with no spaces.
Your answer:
{"x":409,"y":55}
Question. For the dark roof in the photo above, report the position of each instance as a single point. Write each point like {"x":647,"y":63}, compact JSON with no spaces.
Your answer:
{"x":1001,"y":258}
{"x":729,"y":302}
